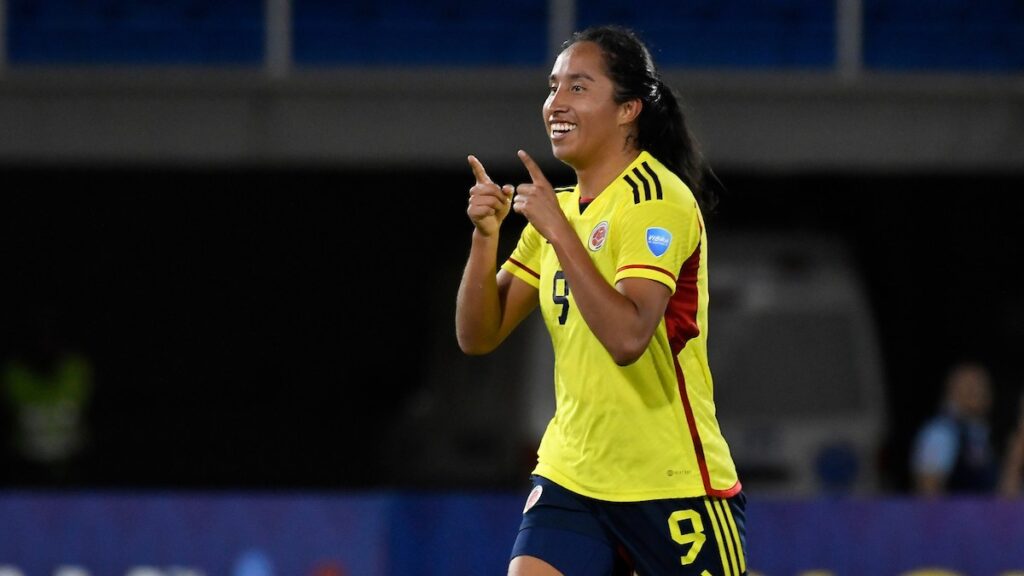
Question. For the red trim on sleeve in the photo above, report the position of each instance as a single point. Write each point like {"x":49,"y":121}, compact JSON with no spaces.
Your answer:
{"x":647,"y":267}
{"x":523,"y":266}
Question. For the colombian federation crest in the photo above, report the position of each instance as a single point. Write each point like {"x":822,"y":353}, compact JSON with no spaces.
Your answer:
{"x":598,"y":236}
{"x":658,"y":240}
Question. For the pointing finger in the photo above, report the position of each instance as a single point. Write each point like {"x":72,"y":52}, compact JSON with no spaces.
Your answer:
{"x":535,"y":172}
{"x":478,"y":171}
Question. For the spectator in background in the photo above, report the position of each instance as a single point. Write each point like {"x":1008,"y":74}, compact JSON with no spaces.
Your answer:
{"x":953,"y":452}
{"x":46,"y":387}
{"x":1013,"y":467}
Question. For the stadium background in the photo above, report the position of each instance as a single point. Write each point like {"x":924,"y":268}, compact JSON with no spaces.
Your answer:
{"x":249,"y":217}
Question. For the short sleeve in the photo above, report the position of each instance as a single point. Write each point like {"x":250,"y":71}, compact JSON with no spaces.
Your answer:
{"x":524,"y":263}
{"x":654,"y":239}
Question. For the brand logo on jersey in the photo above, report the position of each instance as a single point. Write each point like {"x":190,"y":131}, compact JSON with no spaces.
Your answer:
{"x":533,"y":497}
{"x":598,"y":236}
{"x":658,"y":240}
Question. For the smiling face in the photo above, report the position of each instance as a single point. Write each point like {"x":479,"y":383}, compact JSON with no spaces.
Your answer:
{"x":583,"y":120}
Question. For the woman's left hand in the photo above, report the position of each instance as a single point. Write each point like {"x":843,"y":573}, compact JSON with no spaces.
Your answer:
{"x":537,"y":201}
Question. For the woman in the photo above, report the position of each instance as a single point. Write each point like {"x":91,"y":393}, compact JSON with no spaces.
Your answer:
{"x":633,"y":472}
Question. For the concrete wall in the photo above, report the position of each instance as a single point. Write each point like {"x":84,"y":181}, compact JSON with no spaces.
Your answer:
{"x":377,"y":118}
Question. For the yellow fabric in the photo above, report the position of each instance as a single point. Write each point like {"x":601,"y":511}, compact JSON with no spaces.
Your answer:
{"x":622,"y":433}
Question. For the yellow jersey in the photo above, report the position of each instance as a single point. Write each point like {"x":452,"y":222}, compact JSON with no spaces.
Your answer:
{"x":648,"y":430}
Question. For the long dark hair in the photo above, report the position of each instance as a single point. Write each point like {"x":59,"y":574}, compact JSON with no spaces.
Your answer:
{"x":661,"y":126}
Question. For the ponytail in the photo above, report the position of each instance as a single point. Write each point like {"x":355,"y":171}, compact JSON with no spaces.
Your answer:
{"x":661,"y":127}
{"x":662,"y":131}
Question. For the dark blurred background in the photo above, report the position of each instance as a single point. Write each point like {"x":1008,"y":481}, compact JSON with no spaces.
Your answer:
{"x":254,"y":235}
{"x":261,"y":328}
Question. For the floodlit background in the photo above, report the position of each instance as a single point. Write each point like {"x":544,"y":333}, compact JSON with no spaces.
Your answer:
{"x":231,"y":235}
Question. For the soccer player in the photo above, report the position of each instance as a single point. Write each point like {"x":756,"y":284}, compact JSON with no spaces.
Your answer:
{"x":633,"y":473}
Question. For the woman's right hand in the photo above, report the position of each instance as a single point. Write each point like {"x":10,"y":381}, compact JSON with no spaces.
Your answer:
{"x":488,"y":202}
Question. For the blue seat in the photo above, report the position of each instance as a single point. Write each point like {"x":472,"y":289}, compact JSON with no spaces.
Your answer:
{"x":949,"y":35}
{"x":135,"y":32}
{"x":739,"y":34}
{"x":408,"y":32}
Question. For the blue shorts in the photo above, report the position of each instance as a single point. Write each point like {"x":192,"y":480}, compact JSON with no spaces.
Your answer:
{"x":581,"y":536}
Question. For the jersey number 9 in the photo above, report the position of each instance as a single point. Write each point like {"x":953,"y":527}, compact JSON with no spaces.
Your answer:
{"x":561,"y":297}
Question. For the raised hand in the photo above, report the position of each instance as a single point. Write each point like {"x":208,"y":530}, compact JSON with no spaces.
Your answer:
{"x":537,"y":200}
{"x":488,"y":202}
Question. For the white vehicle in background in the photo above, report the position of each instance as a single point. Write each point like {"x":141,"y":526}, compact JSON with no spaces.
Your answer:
{"x":795,"y":359}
